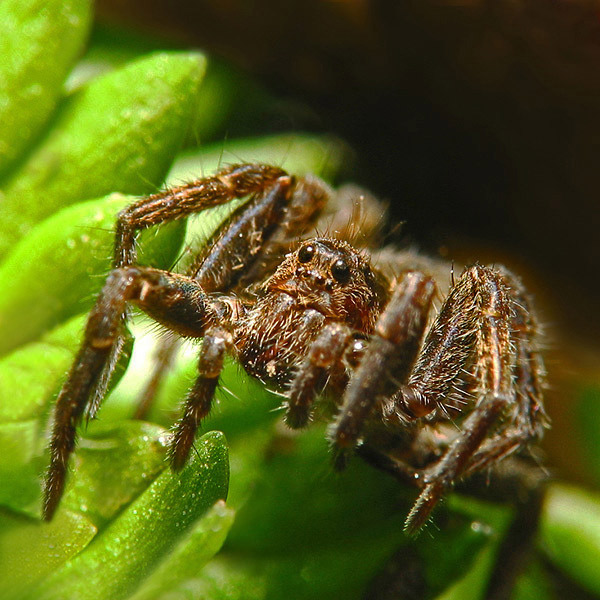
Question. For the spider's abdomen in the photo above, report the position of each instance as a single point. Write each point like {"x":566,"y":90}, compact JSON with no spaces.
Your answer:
{"x":274,"y":337}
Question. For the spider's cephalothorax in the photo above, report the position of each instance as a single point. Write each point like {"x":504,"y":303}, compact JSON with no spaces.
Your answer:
{"x":324,"y":281}
{"x":311,"y":314}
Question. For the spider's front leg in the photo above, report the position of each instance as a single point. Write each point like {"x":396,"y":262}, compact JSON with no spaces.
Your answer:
{"x":488,"y":314}
{"x":173,"y":299}
{"x":387,"y":361}
{"x":484,"y":333}
{"x":231,"y":182}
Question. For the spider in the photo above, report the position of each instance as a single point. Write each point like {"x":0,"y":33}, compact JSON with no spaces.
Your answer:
{"x":430,"y":398}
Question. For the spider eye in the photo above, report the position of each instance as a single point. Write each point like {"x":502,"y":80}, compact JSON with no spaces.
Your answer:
{"x":306,"y":253}
{"x":340,"y":271}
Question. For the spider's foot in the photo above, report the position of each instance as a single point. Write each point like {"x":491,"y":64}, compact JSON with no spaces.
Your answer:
{"x":53,"y":489}
{"x":296,"y":417}
{"x":422,"y":508}
{"x":180,"y":446}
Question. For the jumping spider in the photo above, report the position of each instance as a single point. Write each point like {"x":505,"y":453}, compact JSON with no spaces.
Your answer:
{"x":431,"y":399}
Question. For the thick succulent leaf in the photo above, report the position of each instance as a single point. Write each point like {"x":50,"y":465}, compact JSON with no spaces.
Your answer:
{"x":143,"y":535}
{"x":30,"y":379}
{"x":56,"y":271}
{"x":21,"y":464}
{"x":118,"y":133}
{"x":39,"y":43}
{"x":114,"y":463}
{"x":31,"y":551}
{"x":37,"y":370}
{"x":176,"y":575}
{"x":570,"y":532}
{"x":298,"y":153}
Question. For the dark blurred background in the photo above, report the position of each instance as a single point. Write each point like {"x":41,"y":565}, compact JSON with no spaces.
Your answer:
{"x":479,"y":121}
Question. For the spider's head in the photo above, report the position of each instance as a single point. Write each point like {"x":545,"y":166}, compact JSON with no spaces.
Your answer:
{"x":333,"y":278}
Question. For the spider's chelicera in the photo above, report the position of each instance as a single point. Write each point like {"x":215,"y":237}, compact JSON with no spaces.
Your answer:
{"x":430,"y":398}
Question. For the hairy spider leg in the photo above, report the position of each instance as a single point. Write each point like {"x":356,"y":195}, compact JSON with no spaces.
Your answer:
{"x":167,"y":297}
{"x":238,"y":251}
{"x":232,"y":182}
{"x":177,"y":301}
{"x":199,"y":400}
{"x":530,"y":418}
{"x":387,"y":361}
{"x":478,"y":315}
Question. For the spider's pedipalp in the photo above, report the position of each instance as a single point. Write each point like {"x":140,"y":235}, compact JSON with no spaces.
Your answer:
{"x":325,"y":354}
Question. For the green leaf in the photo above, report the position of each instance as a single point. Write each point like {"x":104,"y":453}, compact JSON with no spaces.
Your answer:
{"x":114,"y":463}
{"x":299,"y":153}
{"x":37,"y":371}
{"x":570,"y":533}
{"x":176,"y":573}
{"x":136,"y":542}
{"x":19,"y":469}
{"x":56,"y":271}
{"x":472,"y":584}
{"x":30,"y":550}
{"x":119,"y":133}
{"x":39,"y":43}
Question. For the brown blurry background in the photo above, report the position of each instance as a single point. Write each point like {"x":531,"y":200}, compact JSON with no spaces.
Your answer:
{"x":479,"y":121}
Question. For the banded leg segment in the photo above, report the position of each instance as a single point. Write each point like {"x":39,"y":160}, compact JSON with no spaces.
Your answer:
{"x":174,"y":299}
{"x":389,"y":356}
{"x":233,"y":182}
{"x":198,"y":403}
{"x":480,"y":313}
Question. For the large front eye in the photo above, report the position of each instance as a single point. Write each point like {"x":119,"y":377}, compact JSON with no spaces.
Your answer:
{"x":306,"y":253}
{"x":340,"y":271}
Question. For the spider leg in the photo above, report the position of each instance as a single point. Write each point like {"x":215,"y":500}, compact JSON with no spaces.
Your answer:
{"x":326,"y":353}
{"x":529,"y":418}
{"x":232,"y":182}
{"x":389,"y":356}
{"x":164,"y":355}
{"x":238,"y":252}
{"x":444,"y":473}
{"x":397,"y":468}
{"x":173,"y":299}
{"x":198,"y":403}
{"x":481,"y":317}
